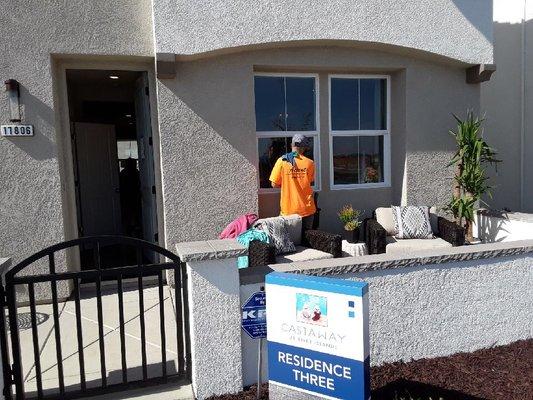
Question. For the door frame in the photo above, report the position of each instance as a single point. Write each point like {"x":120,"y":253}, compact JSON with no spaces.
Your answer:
{"x":66,"y":161}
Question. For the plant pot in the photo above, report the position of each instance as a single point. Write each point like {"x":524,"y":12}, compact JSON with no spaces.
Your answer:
{"x":351,"y":236}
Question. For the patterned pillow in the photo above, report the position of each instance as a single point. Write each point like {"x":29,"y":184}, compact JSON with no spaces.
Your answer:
{"x":412,"y":222}
{"x":276,"y":229}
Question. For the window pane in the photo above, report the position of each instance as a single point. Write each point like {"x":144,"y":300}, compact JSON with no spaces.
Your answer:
{"x":357,"y":159}
{"x":127,"y":149}
{"x":373,"y":104}
{"x":301,"y":104}
{"x":345,"y":160}
{"x":371,"y":159}
{"x":269,"y":103}
{"x":344,"y":104}
{"x":270,"y":149}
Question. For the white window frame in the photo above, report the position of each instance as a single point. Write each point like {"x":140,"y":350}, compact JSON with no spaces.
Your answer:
{"x":289,"y":134}
{"x":385,"y":133}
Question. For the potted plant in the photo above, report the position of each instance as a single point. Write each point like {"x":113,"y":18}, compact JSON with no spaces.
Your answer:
{"x":470,"y":181}
{"x":349,"y":217}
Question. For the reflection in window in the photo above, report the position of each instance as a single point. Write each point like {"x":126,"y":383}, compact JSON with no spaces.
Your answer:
{"x":345,"y":104}
{"x":270,"y":149}
{"x":357,"y":159}
{"x":358,"y":112}
{"x":284,"y":103}
{"x":358,"y":104}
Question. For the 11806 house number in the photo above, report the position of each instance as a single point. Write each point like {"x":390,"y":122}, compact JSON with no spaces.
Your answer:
{"x":16,"y":130}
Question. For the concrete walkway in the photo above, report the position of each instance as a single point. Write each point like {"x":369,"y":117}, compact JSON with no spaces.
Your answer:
{"x":67,"y":322}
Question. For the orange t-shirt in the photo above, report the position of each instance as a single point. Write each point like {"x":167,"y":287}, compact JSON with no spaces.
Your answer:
{"x":295,"y":181}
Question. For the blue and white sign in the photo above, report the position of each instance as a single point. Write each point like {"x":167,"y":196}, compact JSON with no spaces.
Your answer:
{"x":318,"y":335}
{"x":254,"y":316}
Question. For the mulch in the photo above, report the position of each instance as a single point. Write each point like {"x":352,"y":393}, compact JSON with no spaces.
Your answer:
{"x":498,"y":373}
{"x":503,"y":372}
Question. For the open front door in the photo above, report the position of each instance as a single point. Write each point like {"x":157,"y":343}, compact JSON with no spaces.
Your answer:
{"x":98,"y":182}
{"x":146,"y":159}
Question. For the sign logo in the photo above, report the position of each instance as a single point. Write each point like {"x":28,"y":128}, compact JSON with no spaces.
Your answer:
{"x":254,"y":316}
{"x":311,"y":309}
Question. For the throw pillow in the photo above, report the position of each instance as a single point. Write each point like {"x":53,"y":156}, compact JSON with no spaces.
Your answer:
{"x":276,"y":229}
{"x":412,"y":222}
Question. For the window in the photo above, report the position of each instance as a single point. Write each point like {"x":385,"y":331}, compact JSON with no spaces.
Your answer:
{"x":359,"y":114}
{"x":285,"y":104}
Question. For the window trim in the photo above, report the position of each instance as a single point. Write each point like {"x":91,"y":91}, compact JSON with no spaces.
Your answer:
{"x":277,"y":134}
{"x":352,"y":133}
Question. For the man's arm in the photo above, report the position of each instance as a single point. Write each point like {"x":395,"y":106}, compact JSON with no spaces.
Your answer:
{"x":275,"y":175}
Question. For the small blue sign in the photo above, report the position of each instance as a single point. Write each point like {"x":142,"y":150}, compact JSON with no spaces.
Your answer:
{"x":254,"y":316}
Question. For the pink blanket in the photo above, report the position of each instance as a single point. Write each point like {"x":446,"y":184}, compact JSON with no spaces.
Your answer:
{"x":238,"y":226}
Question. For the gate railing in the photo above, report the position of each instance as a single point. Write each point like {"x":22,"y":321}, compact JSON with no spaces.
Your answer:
{"x":13,"y":374}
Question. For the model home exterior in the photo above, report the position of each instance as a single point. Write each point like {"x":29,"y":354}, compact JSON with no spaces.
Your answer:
{"x":162,"y":119}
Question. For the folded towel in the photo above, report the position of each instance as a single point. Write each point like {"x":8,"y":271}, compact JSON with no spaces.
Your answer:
{"x":245,"y":239}
{"x":238,"y":226}
{"x":289,"y":157}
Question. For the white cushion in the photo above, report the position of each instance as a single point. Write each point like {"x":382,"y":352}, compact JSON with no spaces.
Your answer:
{"x":303,"y":254}
{"x":386,"y":220}
{"x":294,"y":226}
{"x":412,"y":222}
{"x":404,"y":246}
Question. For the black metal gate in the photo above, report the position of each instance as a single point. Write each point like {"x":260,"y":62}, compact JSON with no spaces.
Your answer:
{"x":19,"y":277}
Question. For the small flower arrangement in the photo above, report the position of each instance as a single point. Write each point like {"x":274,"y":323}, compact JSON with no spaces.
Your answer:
{"x":349,"y":217}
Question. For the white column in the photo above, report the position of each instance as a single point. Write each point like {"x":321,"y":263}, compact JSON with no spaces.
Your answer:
{"x":215,"y":315}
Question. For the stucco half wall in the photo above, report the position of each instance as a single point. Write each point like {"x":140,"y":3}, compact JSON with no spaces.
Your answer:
{"x":209,"y":147}
{"x":189,"y":27}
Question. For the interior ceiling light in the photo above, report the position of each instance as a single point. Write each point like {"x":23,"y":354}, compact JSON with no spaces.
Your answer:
{"x":113,"y":76}
{"x":128,"y":115}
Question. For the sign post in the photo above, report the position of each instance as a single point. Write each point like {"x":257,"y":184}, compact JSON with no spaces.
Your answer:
{"x":318,"y":336}
{"x":255,"y":326}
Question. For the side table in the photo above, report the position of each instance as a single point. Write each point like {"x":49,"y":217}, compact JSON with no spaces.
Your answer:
{"x":354,"y":249}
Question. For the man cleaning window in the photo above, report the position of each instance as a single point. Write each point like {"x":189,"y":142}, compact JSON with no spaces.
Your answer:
{"x":295,"y":174}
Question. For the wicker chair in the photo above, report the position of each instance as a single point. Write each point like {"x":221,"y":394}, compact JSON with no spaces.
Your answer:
{"x":310,"y":245}
{"x":378,"y":237}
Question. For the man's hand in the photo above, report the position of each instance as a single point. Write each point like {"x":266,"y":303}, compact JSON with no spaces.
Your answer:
{"x":275,"y":185}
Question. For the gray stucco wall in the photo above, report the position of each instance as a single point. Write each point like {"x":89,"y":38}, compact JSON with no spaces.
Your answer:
{"x":209,"y":147}
{"x":450,"y":308}
{"x":502,"y":104}
{"x":32,"y":33}
{"x":213,"y":287}
{"x":190,"y":27}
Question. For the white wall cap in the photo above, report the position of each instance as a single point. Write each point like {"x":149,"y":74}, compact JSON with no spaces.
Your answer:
{"x":210,"y":250}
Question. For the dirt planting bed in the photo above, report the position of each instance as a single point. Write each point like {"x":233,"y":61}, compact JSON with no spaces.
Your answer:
{"x":498,"y":373}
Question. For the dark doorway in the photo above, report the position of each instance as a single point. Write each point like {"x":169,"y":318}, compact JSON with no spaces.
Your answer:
{"x":113,"y":161}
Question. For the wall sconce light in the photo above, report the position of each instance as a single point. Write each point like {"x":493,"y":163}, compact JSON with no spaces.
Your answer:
{"x":13,"y":93}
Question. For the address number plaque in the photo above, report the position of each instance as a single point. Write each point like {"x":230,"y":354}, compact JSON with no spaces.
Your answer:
{"x":16,"y":130}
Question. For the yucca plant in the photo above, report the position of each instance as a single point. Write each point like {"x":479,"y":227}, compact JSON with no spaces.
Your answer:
{"x":470,"y":159}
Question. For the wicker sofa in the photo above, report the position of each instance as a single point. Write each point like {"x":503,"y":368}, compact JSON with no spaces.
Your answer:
{"x":379,"y":234}
{"x":310,"y":245}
